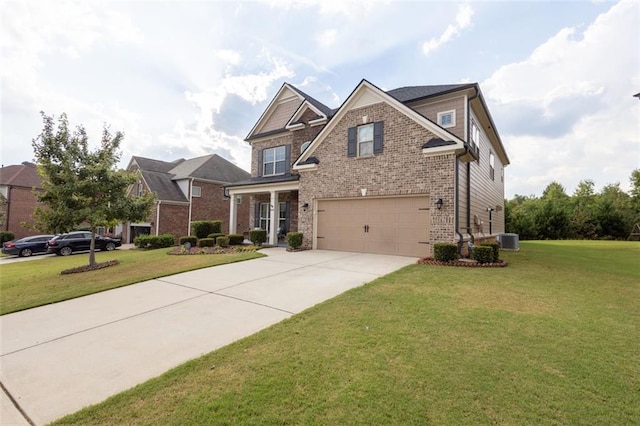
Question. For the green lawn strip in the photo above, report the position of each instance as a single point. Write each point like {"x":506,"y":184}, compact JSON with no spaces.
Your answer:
{"x":552,"y":338}
{"x":25,"y":285}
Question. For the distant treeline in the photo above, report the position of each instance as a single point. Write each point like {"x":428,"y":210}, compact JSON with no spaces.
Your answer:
{"x":608,"y":214}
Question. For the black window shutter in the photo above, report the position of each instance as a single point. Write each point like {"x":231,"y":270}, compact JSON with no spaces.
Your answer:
{"x":352,"y":148}
{"x":260,"y":162}
{"x":287,"y":159}
{"x":256,"y":223}
{"x":377,"y":137}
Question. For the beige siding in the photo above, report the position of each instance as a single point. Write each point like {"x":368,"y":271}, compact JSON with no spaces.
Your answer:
{"x":486,"y":192}
{"x":431,"y":110}
{"x":280,"y":116}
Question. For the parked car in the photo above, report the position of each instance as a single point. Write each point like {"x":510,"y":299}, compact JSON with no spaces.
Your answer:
{"x":65,"y":244}
{"x":27,"y":246}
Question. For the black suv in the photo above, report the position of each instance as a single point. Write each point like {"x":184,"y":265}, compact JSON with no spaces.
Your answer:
{"x":65,"y":244}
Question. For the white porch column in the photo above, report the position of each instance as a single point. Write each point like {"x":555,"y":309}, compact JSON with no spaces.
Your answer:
{"x":273,"y":218}
{"x":233,"y":215}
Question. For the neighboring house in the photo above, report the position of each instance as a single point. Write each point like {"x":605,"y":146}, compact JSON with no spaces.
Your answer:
{"x":387,"y":172}
{"x":17,"y":183}
{"x":186,"y":190}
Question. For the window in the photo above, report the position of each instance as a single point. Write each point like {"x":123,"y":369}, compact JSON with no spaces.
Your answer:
{"x":492,"y":169}
{"x":366,"y":140}
{"x":304,"y":146}
{"x":238,"y":199}
{"x":475,"y":134}
{"x":447,"y":118}
{"x":274,"y":161}
{"x":140,"y":188}
{"x":196,"y":191}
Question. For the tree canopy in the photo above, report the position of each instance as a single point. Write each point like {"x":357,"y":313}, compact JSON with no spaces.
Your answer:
{"x":83,"y":186}
{"x":587,"y":214}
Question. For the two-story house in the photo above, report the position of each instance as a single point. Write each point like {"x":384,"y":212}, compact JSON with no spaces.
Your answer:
{"x":17,"y":185}
{"x":387,"y":172}
{"x":186,"y":190}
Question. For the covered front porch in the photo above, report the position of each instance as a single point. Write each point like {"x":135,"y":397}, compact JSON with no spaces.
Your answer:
{"x":272,"y":202}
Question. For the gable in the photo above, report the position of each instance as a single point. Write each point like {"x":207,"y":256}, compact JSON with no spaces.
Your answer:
{"x":368,"y":95}
{"x":278,"y":113}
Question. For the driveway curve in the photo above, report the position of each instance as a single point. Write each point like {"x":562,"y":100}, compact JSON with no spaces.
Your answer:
{"x":59,"y":358}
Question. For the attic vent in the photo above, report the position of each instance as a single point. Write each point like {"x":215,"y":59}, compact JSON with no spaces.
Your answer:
{"x":509,"y":241}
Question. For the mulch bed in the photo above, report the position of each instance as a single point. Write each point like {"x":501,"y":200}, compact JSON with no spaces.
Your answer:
{"x":180,"y":250}
{"x":467,"y":263}
{"x":87,"y":268}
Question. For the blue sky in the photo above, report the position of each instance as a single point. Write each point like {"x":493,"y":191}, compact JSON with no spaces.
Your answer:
{"x":186,"y":78}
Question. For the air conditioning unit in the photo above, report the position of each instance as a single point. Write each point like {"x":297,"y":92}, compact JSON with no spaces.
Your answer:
{"x":509,"y":241}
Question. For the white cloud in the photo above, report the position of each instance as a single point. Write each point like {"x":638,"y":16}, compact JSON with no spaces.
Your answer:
{"x":583,"y":82}
{"x":327,"y":38}
{"x":463,"y":20}
{"x":229,"y":56}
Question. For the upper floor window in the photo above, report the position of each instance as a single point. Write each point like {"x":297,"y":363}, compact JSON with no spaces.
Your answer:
{"x":492,"y":166}
{"x":447,"y":118}
{"x":196,"y":191}
{"x":304,"y":146}
{"x":140,"y":188}
{"x":274,"y":161}
{"x":365,"y":140}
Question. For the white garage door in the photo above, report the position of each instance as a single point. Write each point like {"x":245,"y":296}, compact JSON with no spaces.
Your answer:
{"x":398,"y":225}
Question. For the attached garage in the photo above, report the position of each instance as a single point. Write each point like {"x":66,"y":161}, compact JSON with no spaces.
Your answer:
{"x":390,"y":225}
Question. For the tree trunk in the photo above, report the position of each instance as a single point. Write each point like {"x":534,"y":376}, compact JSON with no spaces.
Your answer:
{"x":92,"y":247}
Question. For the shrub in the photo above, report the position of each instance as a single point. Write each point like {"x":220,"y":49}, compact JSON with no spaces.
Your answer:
{"x":483,"y":254}
{"x":202,"y":228}
{"x":190,"y":239}
{"x":154,"y":241}
{"x":206,"y":242}
{"x":258,"y":236}
{"x":445,"y":252}
{"x":236,"y":239}
{"x":495,"y":247}
{"x":215,"y":235}
{"x":294,"y":239}
{"x":222,"y":241}
{"x":6,"y":236}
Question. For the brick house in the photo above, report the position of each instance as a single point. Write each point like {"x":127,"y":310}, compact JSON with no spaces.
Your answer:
{"x":17,"y":183}
{"x":186,"y":190}
{"x":387,"y":172}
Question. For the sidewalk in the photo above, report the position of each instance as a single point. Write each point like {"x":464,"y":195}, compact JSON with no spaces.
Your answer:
{"x":59,"y":358}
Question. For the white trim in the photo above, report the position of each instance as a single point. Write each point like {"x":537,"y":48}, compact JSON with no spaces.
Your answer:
{"x":300,"y":111}
{"x":292,"y":127}
{"x":439,"y":150}
{"x":194,"y":193}
{"x":304,"y":167}
{"x":441,"y":114}
{"x":264,"y":188}
{"x":317,"y":121}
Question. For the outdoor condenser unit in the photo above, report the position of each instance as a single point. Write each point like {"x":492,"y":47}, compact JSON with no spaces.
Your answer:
{"x":509,"y":241}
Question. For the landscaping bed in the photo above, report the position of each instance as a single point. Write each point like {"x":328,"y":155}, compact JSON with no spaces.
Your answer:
{"x":467,"y":263}
{"x":86,"y":268}
{"x":181,"y":250}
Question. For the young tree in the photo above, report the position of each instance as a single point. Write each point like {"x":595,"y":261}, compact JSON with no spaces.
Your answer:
{"x":81,"y":186}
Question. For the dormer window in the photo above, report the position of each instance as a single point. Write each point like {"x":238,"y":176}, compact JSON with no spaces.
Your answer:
{"x":274,"y":161}
{"x":304,"y":146}
{"x":447,"y":119}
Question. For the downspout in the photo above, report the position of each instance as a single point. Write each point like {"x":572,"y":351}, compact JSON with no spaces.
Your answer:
{"x":190,"y":204}
{"x":6,"y":220}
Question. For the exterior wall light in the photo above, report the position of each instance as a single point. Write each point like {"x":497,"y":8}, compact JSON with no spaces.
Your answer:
{"x":305,"y":206}
{"x":439,"y":203}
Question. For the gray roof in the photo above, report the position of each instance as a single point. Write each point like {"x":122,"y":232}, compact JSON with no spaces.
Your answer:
{"x":316,"y":103}
{"x":265,"y":180}
{"x":412,"y":93}
{"x":437,"y":142}
{"x":162,"y":176}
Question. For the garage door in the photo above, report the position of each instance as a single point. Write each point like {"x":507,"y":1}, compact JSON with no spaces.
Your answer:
{"x":398,"y":225}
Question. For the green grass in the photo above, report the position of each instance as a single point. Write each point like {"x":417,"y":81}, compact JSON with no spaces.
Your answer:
{"x":25,"y":285}
{"x":551,"y":339}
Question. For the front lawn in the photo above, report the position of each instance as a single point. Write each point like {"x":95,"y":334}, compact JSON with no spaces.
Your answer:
{"x":551,"y":339}
{"x":37,"y":282}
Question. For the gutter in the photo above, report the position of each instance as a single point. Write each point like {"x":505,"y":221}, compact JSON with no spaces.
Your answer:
{"x":158,"y":218}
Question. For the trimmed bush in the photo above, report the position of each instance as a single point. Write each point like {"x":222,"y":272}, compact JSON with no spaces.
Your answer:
{"x":154,"y":241}
{"x":236,"y":239}
{"x":294,"y":239}
{"x":258,"y":236}
{"x":202,"y":228}
{"x":6,"y":236}
{"x":445,"y":252}
{"x":495,"y":247}
{"x":206,"y":242}
{"x":190,"y":239}
{"x":483,"y":254}
{"x":215,"y":235}
{"x":222,"y":241}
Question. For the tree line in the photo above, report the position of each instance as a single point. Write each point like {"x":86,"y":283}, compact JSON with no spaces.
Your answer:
{"x":610,"y":213}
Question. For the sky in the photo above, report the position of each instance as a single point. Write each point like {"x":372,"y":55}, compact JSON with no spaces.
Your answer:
{"x":184,"y":79}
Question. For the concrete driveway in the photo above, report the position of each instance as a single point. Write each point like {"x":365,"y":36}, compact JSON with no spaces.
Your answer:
{"x":59,"y":358}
